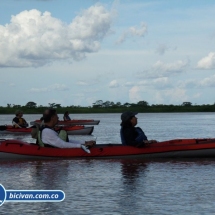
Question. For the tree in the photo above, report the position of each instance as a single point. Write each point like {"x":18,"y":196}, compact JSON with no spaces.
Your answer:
{"x":98,"y":103}
{"x":118,"y":104}
{"x":187,"y":104}
{"x":127,"y":104}
{"x":16,"y":106}
{"x":57,"y":106}
{"x":53,"y":105}
{"x":107,"y":104}
{"x":142,"y":103}
{"x":31,"y":104}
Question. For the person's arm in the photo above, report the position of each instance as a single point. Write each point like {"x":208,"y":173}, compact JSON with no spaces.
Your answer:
{"x":51,"y":137}
{"x":15,"y":122}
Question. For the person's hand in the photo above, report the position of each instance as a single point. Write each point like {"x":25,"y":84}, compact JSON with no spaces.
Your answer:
{"x":90,"y":143}
{"x":146,"y":142}
{"x":153,"y":141}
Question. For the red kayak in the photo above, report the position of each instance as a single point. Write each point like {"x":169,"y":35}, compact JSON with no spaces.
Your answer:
{"x":71,"y":130}
{"x":178,"y":148}
{"x":72,"y":122}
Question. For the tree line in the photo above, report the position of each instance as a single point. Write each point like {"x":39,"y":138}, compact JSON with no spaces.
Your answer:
{"x":101,"y":106}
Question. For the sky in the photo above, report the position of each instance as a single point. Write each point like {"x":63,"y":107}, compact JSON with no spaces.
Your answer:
{"x":72,"y":52}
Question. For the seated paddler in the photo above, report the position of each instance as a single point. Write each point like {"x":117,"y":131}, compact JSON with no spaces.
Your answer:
{"x":19,"y":121}
{"x":47,"y":136}
{"x":131,"y":135}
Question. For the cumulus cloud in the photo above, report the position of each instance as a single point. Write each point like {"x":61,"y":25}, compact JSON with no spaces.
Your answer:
{"x":195,"y":83}
{"x":135,"y":94}
{"x":175,"y":67}
{"x":82,"y":83}
{"x":34,"y":39}
{"x":161,"y":49}
{"x":88,"y":82}
{"x":174,"y":95}
{"x":133,"y":32}
{"x":161,"y":69}
{"x":54,"y":87}
{"x":207,"y":62}
{"x":113,"y":84}
{"x":128,"y":84}
{"x":208,"y":82}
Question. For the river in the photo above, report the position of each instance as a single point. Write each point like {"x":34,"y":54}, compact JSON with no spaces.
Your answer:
{"x":119,"y":187}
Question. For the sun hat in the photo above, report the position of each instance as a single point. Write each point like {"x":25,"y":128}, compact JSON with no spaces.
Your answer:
{"x":127,"y":115}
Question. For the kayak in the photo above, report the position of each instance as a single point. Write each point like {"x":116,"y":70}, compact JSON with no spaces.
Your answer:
{"x":71,"y":130}
{"x":72,"y":122}
{"x":178,"y":148}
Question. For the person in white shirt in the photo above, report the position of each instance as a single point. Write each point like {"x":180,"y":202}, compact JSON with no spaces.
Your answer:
{"x":50,"y":136}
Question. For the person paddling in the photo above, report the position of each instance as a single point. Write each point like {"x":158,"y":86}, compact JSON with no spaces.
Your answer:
{"x":19,"y":121}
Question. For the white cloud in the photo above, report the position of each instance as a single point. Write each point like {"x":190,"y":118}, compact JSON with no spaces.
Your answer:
{"x":34,"y":39}
{"x":114,"y":84}
{"x":161,"y":49}
{"x":161,"y":69}
{"x":207,"y":82}
{"x":175,"y":67}
{"x":197,"y":95}
{"x":174,"y":95}
{"x":82,"y":83}
{"x":55,"y":87}
{"x":195,"y":83}
{"x":133,"y":32}
{"x":134,"y":94}
{"x":207,"y":62}
{"x":88,"y":82}
{"x":128,"y":84}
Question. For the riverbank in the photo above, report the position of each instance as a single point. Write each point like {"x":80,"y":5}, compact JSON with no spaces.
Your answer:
{"x":139,"y":109}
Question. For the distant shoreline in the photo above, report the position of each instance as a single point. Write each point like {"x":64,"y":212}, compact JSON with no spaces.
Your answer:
{"x":93,"y":110}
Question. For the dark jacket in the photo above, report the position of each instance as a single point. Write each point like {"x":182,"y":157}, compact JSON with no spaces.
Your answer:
{"x":132,"y":136}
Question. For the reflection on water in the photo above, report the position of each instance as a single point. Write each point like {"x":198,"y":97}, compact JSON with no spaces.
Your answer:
{"x":114,"y":186}
{"x":130,"y":170}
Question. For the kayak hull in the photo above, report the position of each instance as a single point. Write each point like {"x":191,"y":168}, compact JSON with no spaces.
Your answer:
{"x":72,"y":122}
{"x":71,"y":130}
{"x":182,"y":148}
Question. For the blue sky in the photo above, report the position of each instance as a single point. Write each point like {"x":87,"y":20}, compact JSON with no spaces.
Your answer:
{"x":77,"y":52}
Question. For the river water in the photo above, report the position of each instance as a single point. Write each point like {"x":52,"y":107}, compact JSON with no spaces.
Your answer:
{"x":117,"y":186}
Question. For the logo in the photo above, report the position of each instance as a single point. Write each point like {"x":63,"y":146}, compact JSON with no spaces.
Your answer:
{"x":2,"y":194}
{"x":30,"y":195}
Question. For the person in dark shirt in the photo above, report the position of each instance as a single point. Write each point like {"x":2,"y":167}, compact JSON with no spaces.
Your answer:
{"x":131,"y":135}
{"x":66,"y":116}
{"x":18,"y":121}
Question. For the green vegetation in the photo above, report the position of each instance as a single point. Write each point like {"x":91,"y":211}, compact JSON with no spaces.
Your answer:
{"x":109,"y":107}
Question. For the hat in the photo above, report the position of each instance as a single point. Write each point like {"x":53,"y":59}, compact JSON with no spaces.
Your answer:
{"x":127,"y":115}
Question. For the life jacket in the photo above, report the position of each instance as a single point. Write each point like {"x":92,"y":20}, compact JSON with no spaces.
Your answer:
{"x":22,"y":123}
{"x":61,"y":133}
{"x":140,"y":135}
